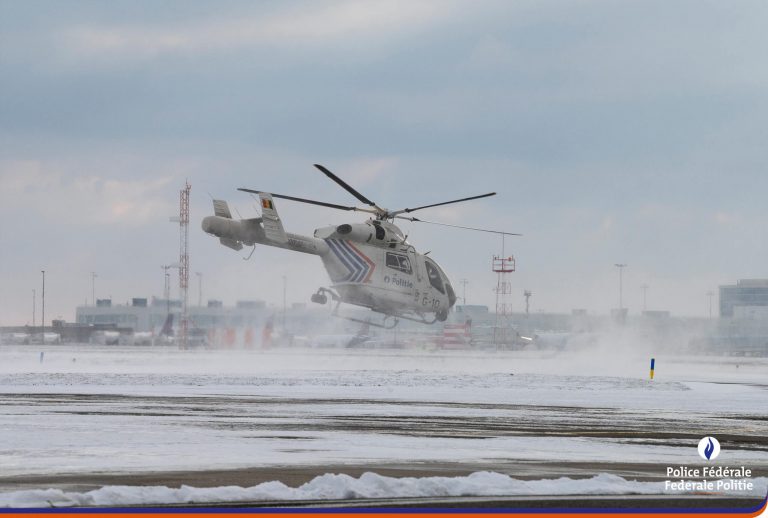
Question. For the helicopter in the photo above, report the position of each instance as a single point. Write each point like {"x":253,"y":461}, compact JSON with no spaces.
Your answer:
{"x":370,"y":264}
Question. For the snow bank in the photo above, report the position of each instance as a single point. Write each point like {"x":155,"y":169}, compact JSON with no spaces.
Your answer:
{"x":336,"y":487}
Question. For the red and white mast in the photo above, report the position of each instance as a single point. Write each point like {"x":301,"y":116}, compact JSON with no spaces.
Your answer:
{"x":184,"y":263}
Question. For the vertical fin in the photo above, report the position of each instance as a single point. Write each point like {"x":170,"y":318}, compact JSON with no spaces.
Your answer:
{"x":220,"y":208}
{"x":273,"y":227}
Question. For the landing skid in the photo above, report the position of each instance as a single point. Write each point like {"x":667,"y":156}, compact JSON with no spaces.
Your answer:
{"x":382,"y":325}
{"x":321,"y":297}
{"x":420,"y":320}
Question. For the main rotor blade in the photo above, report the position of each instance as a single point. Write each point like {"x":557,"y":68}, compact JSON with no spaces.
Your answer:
{"x":345,"y":185}
{"x":302,"y":200}
{"x":417,"y":220}
{"x":394,"y":213}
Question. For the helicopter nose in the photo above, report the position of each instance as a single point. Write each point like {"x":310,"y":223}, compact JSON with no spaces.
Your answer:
{"x":451,"y":294}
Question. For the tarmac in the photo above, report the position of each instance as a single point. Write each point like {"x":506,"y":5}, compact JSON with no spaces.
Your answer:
{"x":347,"y":412}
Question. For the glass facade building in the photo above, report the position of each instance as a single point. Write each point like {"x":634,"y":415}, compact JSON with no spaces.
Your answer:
{"x":746,"y":292}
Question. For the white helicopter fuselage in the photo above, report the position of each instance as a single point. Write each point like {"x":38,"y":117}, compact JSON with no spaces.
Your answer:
{"x":370,"y":264}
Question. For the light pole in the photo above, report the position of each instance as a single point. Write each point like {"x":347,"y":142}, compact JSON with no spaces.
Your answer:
{"x":621,"y":267}
{"x":284,"y":301}
{"x":199,"y":289}
{"x":42,"y":322}
{"x":464,"y":283}
{"x":93,"y":288}
{"x":644,"y":287}
{"x":527,"y":294}
{"x":710,"y":294}
{"x":167,"y":289}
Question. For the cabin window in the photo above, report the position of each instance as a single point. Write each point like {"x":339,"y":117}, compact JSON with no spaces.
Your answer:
{"x":380,"y":232}
{"x":435,"y":279}
{"x":399,"y":262}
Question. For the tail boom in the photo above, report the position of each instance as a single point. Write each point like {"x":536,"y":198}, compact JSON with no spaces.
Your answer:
{"x":236,"y":233}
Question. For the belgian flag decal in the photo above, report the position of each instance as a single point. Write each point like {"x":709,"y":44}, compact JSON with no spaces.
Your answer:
{"x":267,"y":204}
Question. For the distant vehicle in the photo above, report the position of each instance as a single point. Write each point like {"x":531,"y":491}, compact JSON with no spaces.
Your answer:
{"x":370,"y":264}
{"x":336,"y":340}
{"x":52,"y":338}
{"x":197,"y":337}
{"x":142,"y":338}
{"x":27,"y":338}
{"x":105,"y":337}
{"x":164,"y":337}
{"x":48,"y":338}
{"x":17,"y":338}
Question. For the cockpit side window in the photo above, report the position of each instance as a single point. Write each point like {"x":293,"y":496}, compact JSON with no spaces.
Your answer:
{"x":399,"y":262}
{"x":435,"y":279}
{"x":380,"y":232}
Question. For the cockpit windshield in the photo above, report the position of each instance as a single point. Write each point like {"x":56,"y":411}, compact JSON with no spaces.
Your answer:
{"x":392,"y":228}
{"x":439,"y":281}
{"x":387,"y":232}
{"x":451,"y":293}
{"x":435,"y":279}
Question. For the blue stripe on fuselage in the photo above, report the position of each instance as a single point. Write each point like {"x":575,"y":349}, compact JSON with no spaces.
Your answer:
{"x":335,"y":249}
{"x":363,"y":266}
{"x":343,"y":256}
{"x":357,"y":267}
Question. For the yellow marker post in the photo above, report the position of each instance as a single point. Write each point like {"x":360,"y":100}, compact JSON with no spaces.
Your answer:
{"x":653,"y":364}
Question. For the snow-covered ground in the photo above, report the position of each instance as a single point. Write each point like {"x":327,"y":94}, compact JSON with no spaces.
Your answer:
{"x":86,"y":409}
{"x":344,"y":487}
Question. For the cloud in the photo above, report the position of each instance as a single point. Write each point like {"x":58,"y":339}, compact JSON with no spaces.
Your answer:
{"x":490,"y":53}
{"x":612,"y":132}
{"x":58,"y":196}
{"x":367,"y":171}
{"x":607,"y":224}
{"x":309,"y":24}
{"x":722,"y":217}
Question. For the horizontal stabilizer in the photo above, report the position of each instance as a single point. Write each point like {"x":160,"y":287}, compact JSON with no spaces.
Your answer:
{"x":231,"y":243}
{"x":220,"y":208}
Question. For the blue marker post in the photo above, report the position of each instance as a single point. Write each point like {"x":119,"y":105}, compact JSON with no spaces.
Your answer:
{"x":42,"y":355}
{"x":653,"y":364}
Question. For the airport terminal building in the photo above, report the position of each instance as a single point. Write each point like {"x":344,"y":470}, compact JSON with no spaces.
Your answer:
{"x":748,"y":297}
{"x":742,"y":328}
{"x":143,"y":315}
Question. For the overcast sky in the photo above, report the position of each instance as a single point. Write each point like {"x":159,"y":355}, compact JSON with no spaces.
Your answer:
{"x":630,"y":132}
